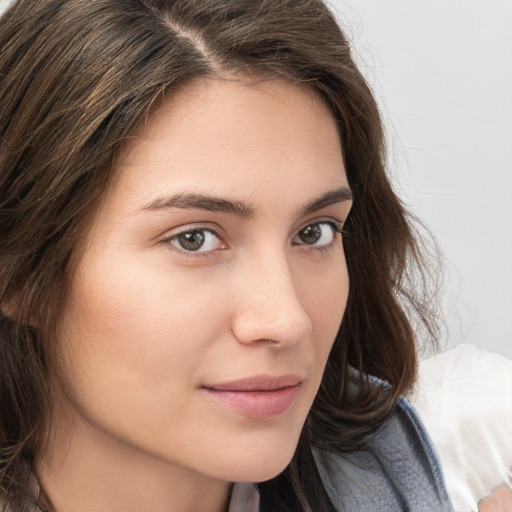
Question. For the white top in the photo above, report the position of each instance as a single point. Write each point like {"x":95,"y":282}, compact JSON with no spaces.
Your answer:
{"x":464,"y":398}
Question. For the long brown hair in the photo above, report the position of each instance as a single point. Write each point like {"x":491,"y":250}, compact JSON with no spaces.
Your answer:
{"x":76,"y":80}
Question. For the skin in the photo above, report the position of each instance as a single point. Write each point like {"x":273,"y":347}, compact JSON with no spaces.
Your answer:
{"x":148,"y":324}
{"x":499,"y":501}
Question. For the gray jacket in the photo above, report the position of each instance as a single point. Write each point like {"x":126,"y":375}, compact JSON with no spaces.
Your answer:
{"x":399,"y":471}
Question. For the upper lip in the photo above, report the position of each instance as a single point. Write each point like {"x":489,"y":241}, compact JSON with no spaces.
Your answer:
{"x":257,"y":383}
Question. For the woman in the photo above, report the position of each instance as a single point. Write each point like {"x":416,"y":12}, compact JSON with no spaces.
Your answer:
{"x":176,"y":309}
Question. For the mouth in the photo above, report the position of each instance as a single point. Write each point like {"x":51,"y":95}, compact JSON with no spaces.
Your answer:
{"x":259,"y":397}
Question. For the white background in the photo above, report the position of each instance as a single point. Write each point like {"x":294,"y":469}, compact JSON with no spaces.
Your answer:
{"x":442,"y":70}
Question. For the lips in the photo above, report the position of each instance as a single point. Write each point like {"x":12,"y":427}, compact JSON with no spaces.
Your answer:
{"x":259,"y":397}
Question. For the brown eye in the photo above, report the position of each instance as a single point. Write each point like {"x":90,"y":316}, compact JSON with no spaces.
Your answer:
{"x":319,"y":234}
{"x":310,"y":234}
{"x":191,"y":241}
{"x":196,"y":240}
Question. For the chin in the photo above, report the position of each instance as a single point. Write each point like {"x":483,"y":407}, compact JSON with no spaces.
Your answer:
{"x":261,"y":464}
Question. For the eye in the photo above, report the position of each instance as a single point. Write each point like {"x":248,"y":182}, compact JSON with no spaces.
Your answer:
{"x":318,"y":234}
{"x":198,"y":240}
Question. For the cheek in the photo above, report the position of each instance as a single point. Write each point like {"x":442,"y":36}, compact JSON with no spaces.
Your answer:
{"x":135,"y":342}
{"x":325,"y":299}
{"x":137,"y":323}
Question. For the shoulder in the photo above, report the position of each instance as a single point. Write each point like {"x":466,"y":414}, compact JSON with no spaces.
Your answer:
{"x":398,"y":470}
{"x":464,"y":398}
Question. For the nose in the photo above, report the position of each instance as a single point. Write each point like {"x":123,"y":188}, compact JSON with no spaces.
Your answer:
{"x":268,"y":307}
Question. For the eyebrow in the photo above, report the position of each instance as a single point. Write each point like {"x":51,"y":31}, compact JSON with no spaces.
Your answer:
{"x":339,"y":195}
{"x":239,"y":208}
{"x":203,"y":202}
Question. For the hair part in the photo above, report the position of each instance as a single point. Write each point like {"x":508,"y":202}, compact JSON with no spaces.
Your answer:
{"x":76,"y":81}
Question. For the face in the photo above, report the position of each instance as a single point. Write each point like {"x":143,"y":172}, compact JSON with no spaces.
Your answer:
{"x":212,"y":284}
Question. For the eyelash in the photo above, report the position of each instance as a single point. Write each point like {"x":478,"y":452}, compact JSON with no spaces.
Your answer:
{"x":336,"y":227}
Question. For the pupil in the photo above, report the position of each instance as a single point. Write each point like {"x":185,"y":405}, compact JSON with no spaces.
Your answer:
{"x":192,"y":240}
{"x":311,"y":234}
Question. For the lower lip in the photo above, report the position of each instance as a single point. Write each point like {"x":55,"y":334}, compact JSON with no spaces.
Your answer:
{"x":257,"y":404}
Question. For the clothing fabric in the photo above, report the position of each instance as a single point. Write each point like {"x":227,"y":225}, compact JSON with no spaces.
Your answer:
{"x":464,"y":398}
{"x":244,"y":498}
{"x":398,"y":471}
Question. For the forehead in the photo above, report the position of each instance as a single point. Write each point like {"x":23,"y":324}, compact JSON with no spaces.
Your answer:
{"x":228,"y":136}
